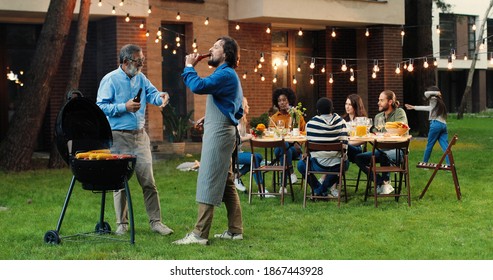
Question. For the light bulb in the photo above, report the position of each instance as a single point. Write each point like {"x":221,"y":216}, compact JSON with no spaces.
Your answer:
{"x":374,"y":75}
{"x":113,"y":11}
{"x":237,"y":26}
{"x":425,"y":63}
{"x":194,"y":44}
{"x":149,"y":10}
{"x":275,"y":66}
{"x":141,"y":25}
{"x":267,"y":30}
{"x":323,"y":69}
{"x":352,"y":77}
{"x":174,"y":51}
{"x":312,"y":81}
{"x":312,"y":64}
{"x":331,"y":79}
{"x":127,"y":19}
{"x":262,"y":59}
{"x":449,"y":64}
{"x":244,"y":76}
{"x":121,"y":3}
{"x":474,"y":27}
{"x":367,"y":33}
{"x":206,"y":22}
{"x":435,"y":62}
{"x":343,"y":67}
{"x":147,"y":33}
{"x":262,"y":78}
{"x":438,"y":29}
{"x":398,"y":69}
{"x":294,"y":80}
{"x":333,"y":34}
{"x":299,"y":68}
{"x":178,"y":16}
{"x":100,"y":4}
{"x":300,"y":32}
{"x":177,"y":38}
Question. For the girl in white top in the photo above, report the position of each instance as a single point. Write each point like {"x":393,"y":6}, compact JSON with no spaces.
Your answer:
{"x":438,"y":121}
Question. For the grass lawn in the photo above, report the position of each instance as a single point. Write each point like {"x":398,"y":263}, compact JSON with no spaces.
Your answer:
{"x":438,"y":227}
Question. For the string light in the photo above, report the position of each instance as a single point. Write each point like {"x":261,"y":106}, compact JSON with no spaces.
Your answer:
{"x":147,"y":33}
{"x":159,"y":31}
{"x":174,"y":51}
{"x":474,"y":27}
{"x":425,"y":63}
{"x":331,"y":78}
{"x":178,"y":16}
{"x":206,"y":22}
{"x":268,"y":29}
{"x":121,"y":3}
{"x":262,"y":58}
{"x":367,"y":33}
{"x":449,"y":64}
{"x":275,"y":66}
{"x":149,"y":10}
{"x":323,"y":69}
{"x":259,"y":64}
{"x":274,"y":80}
{"x":299,"y":68}
{"x":481,"y":47}
{"x":435,"y":62}
{"x":285,"y":63}
{"x":194,"y":44}
{"x":333,"y":34}
{"x":113,"y":11}
{"x":100,"y":4}
{"x":452,"y":54}
{"x":402,"y":31}
{"x":398,"y":69}
{"x":312,"y":81}
{"x":352,"y":77}
{"x":343,"y":67}
{"x":262,"y":78}
{"x":255,"y":69}
{"x":465,"y":56}
{"x":374,"y":75}
{"x":141,"y":25}
{"x":491,"y":58}
{"x":245,"y":75}
{"x":300,"y":32}
{"x":410,"y":67}
{"x":438,"y":29}
{"x":166,"y":46}
{"x":312,"y":64}
{"x":177,"y":39}
{"x":157,"y":39}
{"x":237,"y":26}
{"x":294,"y":80}
{"x":375,"y":66}
{"x":127,"y":19}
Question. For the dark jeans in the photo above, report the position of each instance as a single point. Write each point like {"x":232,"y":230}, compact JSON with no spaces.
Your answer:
{"x":330,"y":179}
{"x":363,"y":162}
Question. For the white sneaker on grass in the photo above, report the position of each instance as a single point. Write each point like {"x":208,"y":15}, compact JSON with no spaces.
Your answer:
{"x":228,"y":235}
{"x":386,"y":188}
{"x":191,"y":238}
{"x":294,"y":178}
{"x":239,"y":185}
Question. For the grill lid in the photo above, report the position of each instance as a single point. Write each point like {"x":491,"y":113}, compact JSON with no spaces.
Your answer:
{"x":80,"y":126}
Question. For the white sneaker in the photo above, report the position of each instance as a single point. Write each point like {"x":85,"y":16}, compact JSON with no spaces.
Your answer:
{"x":387,"y":188}
{"x":239,"y":185}
{"x":121,"y":229}
{"x":191,"y":238}
{"x":281,"y":190}
{"x":229,"y":235}
{"x":334,"y":191}
{"x":266,"y":195}
{"x":294,"y":178}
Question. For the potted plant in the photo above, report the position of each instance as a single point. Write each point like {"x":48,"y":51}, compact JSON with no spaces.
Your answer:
{"x":176,"y":127}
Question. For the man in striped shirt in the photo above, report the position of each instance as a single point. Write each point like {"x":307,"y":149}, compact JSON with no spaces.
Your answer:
{"x":326,"y":127}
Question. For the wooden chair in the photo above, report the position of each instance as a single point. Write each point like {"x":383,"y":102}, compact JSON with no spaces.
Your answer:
{"x":341,"y":184}
{"x":356,"y":181}
{"x":399,"y":166}
{"x":278,"y":167}
{"x":443,"y":167}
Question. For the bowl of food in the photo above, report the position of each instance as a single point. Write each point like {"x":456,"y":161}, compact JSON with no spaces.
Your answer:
{"x":396,"y":128}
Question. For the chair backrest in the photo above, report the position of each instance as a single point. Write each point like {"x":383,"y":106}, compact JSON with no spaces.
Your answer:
{"x":267,"y":144}
{"x":314,"y":147}
{"x":384,"y":145}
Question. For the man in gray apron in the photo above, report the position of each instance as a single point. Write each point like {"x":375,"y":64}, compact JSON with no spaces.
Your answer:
{"x":215,"y":182}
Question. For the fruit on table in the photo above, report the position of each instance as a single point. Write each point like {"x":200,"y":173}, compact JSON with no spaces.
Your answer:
{"x":396,"y":125}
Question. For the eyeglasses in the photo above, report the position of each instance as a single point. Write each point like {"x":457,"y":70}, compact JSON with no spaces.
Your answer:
{"x":139,"y":61}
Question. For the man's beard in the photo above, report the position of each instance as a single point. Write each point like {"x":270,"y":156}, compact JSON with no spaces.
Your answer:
{"x":384,"y":108}
{"x":132,"y":70}
{"x":212,"y":62}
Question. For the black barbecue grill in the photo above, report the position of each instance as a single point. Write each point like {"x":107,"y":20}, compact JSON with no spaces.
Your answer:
{"x":82,"y":126}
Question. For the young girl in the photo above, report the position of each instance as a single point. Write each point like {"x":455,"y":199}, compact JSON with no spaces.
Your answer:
{"x":438,"y":121}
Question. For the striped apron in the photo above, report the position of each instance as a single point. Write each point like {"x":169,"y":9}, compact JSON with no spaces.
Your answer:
{"x":217,"y":146}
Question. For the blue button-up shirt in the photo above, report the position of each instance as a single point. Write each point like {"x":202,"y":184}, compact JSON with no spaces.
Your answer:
{"x":115,"y":89}
{"x":224,"y":86}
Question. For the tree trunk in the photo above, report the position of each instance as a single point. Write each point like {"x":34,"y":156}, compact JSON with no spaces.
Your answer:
{"x":470,"y":76}
{"x":419,"y":44}
{"x":18,"y":146}
{"x":56,"y":160}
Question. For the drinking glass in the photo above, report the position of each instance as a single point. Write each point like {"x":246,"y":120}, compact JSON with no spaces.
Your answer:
{"x":369,"y":124}
{"x":379,"y":124}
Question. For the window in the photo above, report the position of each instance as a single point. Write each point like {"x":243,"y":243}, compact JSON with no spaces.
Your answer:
{"x":457,"y":35}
